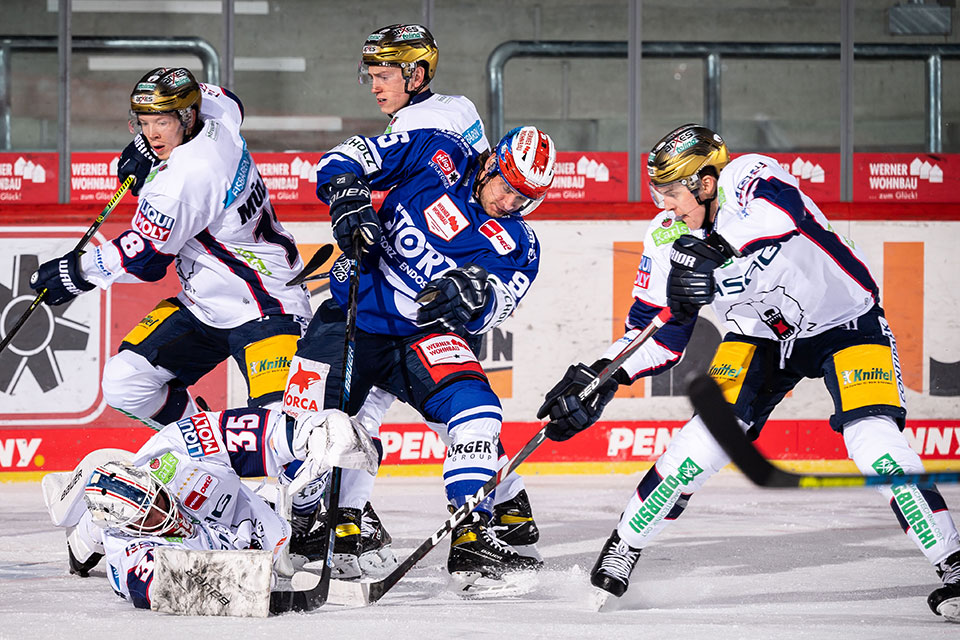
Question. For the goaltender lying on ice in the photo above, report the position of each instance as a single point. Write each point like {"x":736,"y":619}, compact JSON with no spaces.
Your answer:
{"x":181,"y":532}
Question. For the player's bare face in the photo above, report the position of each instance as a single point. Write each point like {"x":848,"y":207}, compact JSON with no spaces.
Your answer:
{"x":678,"y":198}
{"x":389,"y":89}
{"x":164,"y":132}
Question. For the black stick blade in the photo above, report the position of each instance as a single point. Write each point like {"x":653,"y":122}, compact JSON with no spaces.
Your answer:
{"x":322,"y":255}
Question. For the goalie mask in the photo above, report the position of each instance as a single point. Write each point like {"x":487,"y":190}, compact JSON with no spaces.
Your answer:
{"x":122,"y":496}
{"x":167,"y":90}
{"x":525,"y":159}
{"x":405,"y":46}
{"x":681,"y":156}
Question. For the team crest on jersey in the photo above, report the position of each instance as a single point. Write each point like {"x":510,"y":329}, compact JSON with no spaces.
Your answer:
{"x":341,"y":269}
{"x":201,"y":490}
{"x":443,"y":164}
{"x":199,"y":436}
{"x":151,"y":223}
{"x":498,"y":236}
{"x":444,"y":219}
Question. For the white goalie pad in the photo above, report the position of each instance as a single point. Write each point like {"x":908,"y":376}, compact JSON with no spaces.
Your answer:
{"x":63,"y":490}
{"x":211,"y":583}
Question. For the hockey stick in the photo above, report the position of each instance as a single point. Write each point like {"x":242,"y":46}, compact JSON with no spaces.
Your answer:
{"x":97,"y":223}
{"x":322,"y":255}
{"x":373,"y":591}
{"x":349,"y":343}
{"x":716,"y":413}
{"x":323,"y":275}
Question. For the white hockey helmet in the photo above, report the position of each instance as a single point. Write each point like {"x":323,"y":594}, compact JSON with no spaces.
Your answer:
{"x":122,"y":496}
{"x":525,"y":159}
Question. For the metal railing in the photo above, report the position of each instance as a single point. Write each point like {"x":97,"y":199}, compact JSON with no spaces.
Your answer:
{"x":93,"y":44}
{"x":712,"y":53}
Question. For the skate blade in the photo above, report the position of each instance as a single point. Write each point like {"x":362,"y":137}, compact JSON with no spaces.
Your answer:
{"x":601,"y":600}
{"x":473,"y":584}
{"x":379,"y":563}
{"x":950,"y":609}
{"x":345,"y":567}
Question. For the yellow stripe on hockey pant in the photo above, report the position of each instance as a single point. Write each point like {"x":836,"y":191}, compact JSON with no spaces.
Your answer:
{"x":866,"y":376}
{"x":729,"y":367}
{"x":268,"y":363}
{"x":150,"y":322}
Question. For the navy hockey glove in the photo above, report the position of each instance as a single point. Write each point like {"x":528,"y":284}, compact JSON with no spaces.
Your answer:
{"x":61,"y":278}
{"x":137,"y":160}
{"x":690,"y":284}
{"x":454,"y":299}
{"x":351,"y":212}
{"x":568,"y":414}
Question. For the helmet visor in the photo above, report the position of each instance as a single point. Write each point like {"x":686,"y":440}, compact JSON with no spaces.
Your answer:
{"x":660,"y":192}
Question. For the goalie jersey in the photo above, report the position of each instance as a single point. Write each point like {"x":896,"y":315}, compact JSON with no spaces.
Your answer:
{"x":207,"y":210}
{"x":431,"y":223}
{"x":200,"y":460}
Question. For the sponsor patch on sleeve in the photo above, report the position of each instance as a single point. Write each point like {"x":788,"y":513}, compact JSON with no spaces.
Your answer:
{"x":643,"y":272}
{"x":498,"y":236}
{"x":151,"y":223}
{"x":201,"y":490}
{"x":199,"y":435}
{"x":444,"y":166}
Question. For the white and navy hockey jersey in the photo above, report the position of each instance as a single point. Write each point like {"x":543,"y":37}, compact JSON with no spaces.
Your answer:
{"x":431,"y":223}
{"x":207,"y":208}
{"x":430,"y":110}
{"x":793,"y":276}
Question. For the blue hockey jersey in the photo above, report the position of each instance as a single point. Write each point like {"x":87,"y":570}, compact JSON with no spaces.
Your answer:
{"x":431,"y":224}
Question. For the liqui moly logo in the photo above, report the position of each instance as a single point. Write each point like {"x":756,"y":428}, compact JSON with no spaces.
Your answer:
{"x":199,"y":436}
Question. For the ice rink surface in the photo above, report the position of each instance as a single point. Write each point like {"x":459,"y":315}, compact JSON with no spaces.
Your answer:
{"x":742,"y":562}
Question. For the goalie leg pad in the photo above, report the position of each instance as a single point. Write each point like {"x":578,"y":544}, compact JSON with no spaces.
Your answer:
{"x":211,"y":583}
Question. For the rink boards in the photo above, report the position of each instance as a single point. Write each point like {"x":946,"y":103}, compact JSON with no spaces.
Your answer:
{"x":52,"y":411}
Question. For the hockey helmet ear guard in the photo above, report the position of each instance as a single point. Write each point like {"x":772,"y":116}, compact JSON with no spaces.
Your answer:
{"x":680,"y":157}
{"x":122,"y":496}
{"x":405,"y":46}
{"x":525,"y":159}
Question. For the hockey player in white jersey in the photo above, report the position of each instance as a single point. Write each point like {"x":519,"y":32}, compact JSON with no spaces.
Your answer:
{"x":798,"y":301}
{"x":203,"y":207}
{"x":399,"y":63}
{"x":183,"y":488}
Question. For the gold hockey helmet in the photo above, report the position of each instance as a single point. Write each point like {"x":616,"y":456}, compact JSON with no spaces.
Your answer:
{"x":682,"y":154}
{"x":166,"y":90}
{"x":406,"y":46}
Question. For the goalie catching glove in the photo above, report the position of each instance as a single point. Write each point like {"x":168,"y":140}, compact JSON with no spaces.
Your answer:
{"x":568,"y":414}
{"x":457,"y":297}
{"x":328,"y":439}
{"x":690,"y":284}
{"x":351,"y":212}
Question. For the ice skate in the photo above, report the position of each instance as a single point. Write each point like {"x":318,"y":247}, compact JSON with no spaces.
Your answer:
{"x":945,"y":600}
{"x":346,"y":545}
{"x":513,"y":523}
{"x":612,"y":571}
{"x":479,"y":562}
{"x":376,"y":556}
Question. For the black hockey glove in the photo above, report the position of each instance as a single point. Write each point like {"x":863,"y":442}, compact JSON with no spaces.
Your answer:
{"x":351,"y":212}
{"x":454,"y":299}
{"x":61,"y":278}
{"x":137,"y":160}
{"x":568,"y":414}
{"x":690,"y":284}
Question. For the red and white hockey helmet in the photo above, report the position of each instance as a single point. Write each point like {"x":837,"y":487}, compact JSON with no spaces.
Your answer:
{"x":122,"y":496}
{"x":525,"y":159}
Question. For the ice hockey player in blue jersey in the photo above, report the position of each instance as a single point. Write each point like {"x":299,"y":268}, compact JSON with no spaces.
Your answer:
{"x":798,"y":301}
{"x":447,"y":256}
